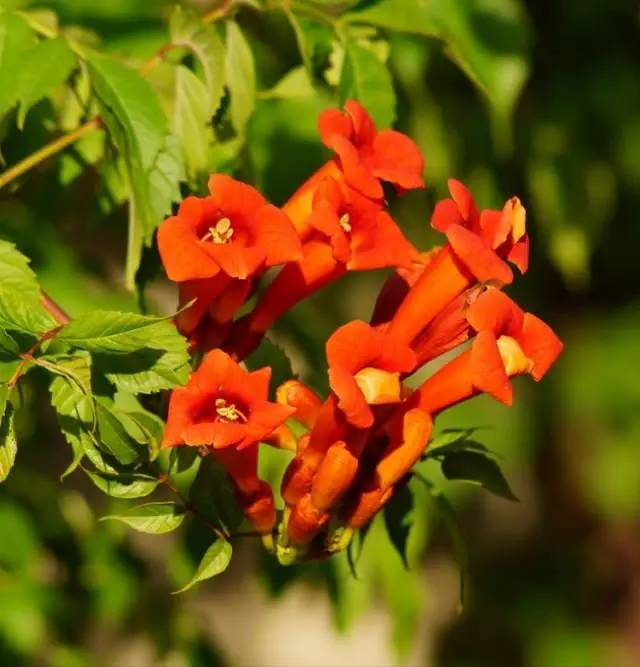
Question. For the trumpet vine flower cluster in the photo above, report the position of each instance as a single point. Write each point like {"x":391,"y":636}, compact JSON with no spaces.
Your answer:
{"x":359,"y":443}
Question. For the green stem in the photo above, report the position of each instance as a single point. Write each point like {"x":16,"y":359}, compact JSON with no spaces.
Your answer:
{"x":47,"y":151}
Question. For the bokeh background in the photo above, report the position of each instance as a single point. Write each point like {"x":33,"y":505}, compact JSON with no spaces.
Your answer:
{"x":554,"y":579}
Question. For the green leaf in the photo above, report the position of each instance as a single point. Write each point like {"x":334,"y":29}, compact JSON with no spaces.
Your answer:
{"x":8,"y":442}
{"x":16,"y":40}
{"x":15,"y":272}
{"x":190,"y":120}
{"x":113,"y":436}
{"x":18,"y":312}
{"x":154,"y":518}
{"x":240,"y":77}
{"x":138,"y":127}
{"x":476,"y":467}
{"x":295,"y":84}
{"x":124,"y":486}
{"x":215,"y":561}
{"x":366,"y":78}
{"x":137,"y":353}
{"x":43,"y":68}
{"x":188,"y":30}
{"x":488,"y":39}
{"x":397,"y":518}
{"x":113,"y":331}
{"x":71,"y":393}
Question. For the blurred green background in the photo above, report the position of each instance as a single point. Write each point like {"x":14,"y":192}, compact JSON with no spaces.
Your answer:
{"x":554,"y":579}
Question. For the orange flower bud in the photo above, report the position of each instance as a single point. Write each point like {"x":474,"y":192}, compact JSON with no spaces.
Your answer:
{"x":260,"y":509}
{"x":365,"y":506}
{"x":297,"y":395}
{"x":305,"y":522}
{"x":405,"y":450}
{"x":334,"y":476}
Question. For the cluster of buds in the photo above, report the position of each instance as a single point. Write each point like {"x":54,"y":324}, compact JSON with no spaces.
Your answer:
{"x":361,"y":442}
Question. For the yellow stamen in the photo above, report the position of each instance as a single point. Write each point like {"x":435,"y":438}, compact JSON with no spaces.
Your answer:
{"x":221,"y":232}
{"x":514,"y":359}
{"x":228,"y":411}
{"x":379,"y":387}
{"x":345,"y":223}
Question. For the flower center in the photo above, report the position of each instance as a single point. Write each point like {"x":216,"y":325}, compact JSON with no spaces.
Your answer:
{"x":379,"y":387}
{"x":514,"y":359}
{"x":228,"y":412}
{"x":345,"y":223}
{"x":221,"y":232}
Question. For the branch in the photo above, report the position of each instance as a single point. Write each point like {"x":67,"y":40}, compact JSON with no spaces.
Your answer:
{"x":47,"y":151}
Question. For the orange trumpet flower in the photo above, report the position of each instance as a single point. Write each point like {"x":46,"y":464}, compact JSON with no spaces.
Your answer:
{"x":367,"y":156}
{"x":364,"y":370}
{"x":223,"y":405}
{"x":509,"y":342}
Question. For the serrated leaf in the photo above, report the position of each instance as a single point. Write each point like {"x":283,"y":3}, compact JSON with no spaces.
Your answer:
{"x":397,"y":518}
{"x":110,"y":331}
{"x":240,"y":77}
{"x":24,"y":314}
{"x":16,"y":40}
{"x":215,"y":561}
{"x":188,"y":30}
{"x":42,"y":69}
{"x":15,"y":272}
{"x":190,"y":122}
{"x":366,"y":78}
{"x":153,"y":518}
{"x":498,"y":67}
{"x":8,"y":442}
{"x":138,"y":127}
{"x":137,"y":353}
{"x":476,"y":467}
{"x":124,"y":486}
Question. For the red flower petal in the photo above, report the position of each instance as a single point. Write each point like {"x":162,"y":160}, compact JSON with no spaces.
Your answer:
{"x":540,"y":344}
{"x":483,"y":262}
{"x":334,"y":122}
{"x":276,"y":236}
{"x":396,"y":159}
{"x":494,"y":311}
{"x":350,"y":398}
{"x":487,"y":368}
{"x":380,"y":245}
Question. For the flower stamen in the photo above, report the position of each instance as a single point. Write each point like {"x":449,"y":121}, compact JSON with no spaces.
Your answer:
{"x":345,"y":223}
{"x":228,"y":412}
{"x":221,"y":232}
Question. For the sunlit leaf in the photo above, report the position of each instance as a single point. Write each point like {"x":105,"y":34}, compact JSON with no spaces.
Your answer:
{"x":187,"y":29}
{"x":190,"y":122}
{"x":154,"y":518}
{"x":16,"y":40}
{"x":8,"y":441}
{"x":240,"y":76}
{"x":43,"y":68}
{"x":215,"y":561}
{"x":367,"y":79}
{"x":124,"y":486}
{"x":15,"y":272}
{"x":138,"y":127}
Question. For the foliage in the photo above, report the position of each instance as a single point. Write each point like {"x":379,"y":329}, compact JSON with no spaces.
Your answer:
{"x":223,"y":98}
